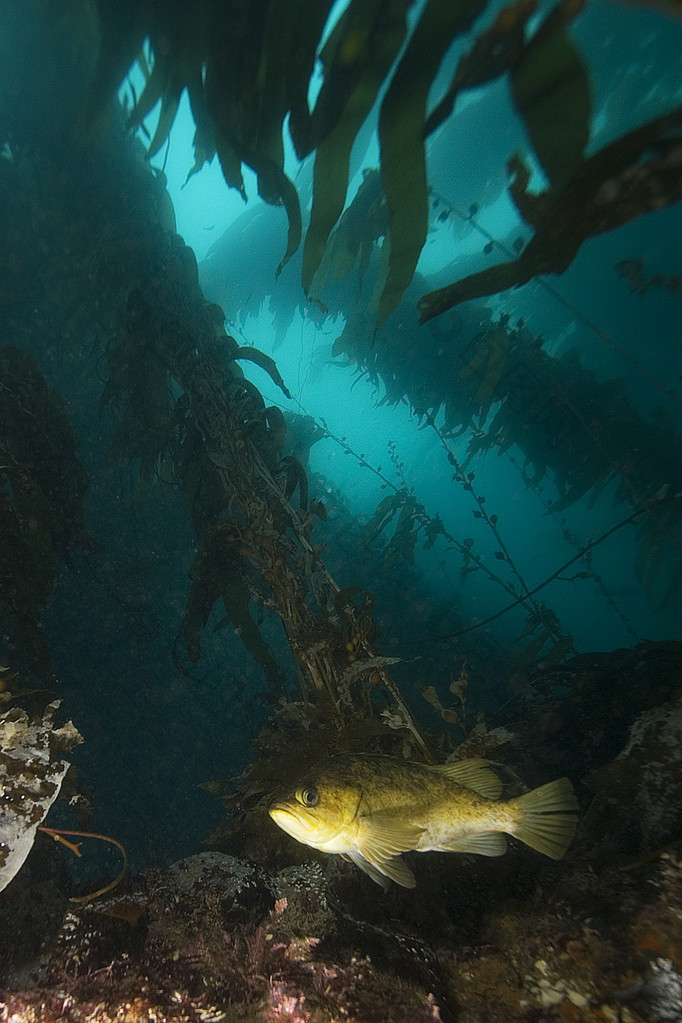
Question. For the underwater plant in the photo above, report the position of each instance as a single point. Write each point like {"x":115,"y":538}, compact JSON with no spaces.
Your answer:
{"x":246,"y":72}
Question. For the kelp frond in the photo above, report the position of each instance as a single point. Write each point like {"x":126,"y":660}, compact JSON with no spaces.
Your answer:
{"x":248,"y":70}
{"x":636,"y":174}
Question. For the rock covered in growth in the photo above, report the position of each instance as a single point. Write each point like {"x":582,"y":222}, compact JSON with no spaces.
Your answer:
{"x":214,"y":938}
{"x":31,"y":774}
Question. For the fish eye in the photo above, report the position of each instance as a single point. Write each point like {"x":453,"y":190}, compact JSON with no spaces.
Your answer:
{"x":308,"y":797}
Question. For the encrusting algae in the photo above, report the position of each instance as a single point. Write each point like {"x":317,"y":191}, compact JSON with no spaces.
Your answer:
{"x":370,"y":809}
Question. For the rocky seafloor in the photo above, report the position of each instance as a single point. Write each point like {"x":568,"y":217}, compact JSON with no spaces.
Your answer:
{"x":215,"y":938}
{"x":595,"y":937}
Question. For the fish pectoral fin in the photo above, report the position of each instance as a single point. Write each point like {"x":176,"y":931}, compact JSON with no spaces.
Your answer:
{"x":380,"y":840}
{"x":381,"y":836}
{"x":369,"y":869}
{"x":398,"y":871}
{"x":475,"y":774}
{"x":394,"y":869}
{"x":485,"y":843}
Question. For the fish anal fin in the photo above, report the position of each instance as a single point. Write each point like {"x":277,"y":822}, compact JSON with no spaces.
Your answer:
{"x":548,"y":818}
{"x":475,"y":774}
{"x":485,"y":843}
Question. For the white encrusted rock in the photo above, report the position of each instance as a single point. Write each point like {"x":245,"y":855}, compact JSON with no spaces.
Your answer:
{"x":31,"y":774}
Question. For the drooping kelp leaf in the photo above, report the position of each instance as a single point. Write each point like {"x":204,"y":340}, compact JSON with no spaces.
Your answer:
{"x":288,"y":197}
{"x":636,"y":174}
{"x":179,"y":45}
{"x":494,"y":51}
{"x":383,"y":515}
{"x":356,"y":59}
{"x":433,"y":528}
{"x":352,"y":241}
{"x":230,"y":162}
{"x":401,"y":545}
{"x":401,"y":137}
{"x":308,"y":21}
{"x":491,"y":354}
{"x":204,"y":143}
{"x":241,"y":67}
{"x":551,"y":91}
{"x":246,"y":68}
{"x":247,"y":102}
{"x":296,"y":476}
{"x":281,"y":50}
{"x":265,"y":362}
{"x":219,"y":572}
{"x":122,"y":27}
{"x":292,"y":31}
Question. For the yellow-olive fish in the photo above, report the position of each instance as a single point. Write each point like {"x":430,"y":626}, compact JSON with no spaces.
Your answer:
{"x":370,"y":809}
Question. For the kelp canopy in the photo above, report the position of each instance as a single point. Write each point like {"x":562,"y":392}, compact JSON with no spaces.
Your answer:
{"x":247,"y":69}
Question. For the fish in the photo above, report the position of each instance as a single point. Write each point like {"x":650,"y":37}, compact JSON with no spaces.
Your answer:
{"x":370,"y":809}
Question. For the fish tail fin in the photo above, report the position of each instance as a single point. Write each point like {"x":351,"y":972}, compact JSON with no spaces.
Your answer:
{"x":548,"y":818}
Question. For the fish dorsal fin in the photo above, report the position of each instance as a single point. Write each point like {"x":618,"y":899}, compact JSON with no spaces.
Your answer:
{"x":485,"y":843}
{"x":475,"y":774}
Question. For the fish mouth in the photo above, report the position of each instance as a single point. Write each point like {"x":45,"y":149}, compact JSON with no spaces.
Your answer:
{"x":303,"y":826}
{"x":289,"y":820}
